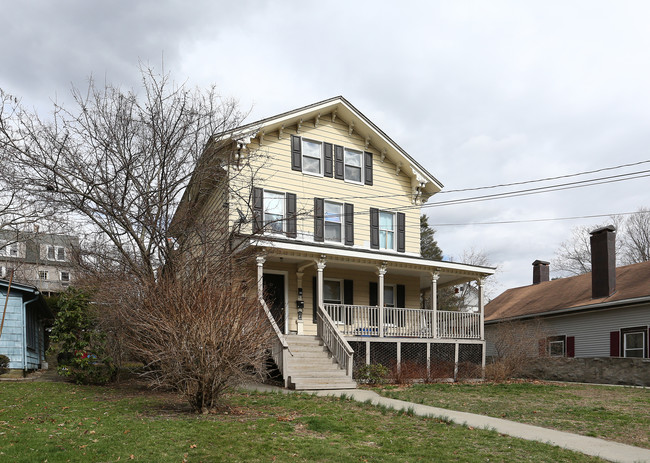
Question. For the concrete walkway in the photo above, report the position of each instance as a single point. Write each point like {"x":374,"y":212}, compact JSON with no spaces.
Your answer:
{"x":608,"y":450}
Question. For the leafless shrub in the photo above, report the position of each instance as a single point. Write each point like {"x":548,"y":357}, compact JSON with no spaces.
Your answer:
{"x":198,"y":337}
{"x":515,"y":342}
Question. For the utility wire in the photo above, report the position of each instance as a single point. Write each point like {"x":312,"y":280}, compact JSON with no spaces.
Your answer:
{"x":499,"y":222}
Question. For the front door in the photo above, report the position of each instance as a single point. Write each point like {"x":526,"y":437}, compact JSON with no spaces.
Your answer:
{"x":274,"y":297}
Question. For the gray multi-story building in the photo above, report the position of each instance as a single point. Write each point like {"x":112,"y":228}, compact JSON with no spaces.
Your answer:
{"x":43,"y":260}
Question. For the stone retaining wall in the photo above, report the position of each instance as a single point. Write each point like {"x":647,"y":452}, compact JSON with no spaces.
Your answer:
{"x":635,"y":372}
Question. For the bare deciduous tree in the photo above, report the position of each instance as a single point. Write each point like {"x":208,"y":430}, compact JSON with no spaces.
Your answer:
{"x":632,"y":244}
{"x":117,"y":161}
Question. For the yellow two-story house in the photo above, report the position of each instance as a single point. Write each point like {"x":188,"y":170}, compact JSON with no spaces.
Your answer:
{"x":333,"y":215}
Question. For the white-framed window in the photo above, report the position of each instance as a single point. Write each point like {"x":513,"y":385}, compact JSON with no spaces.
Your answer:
{"x":556,"y":348}
{"x":333,"y":221}
{"x":634,"y":342}
{"x":10,"y":250}
{"x":312,"y":157}
{"x":386,"y":230}
{"x":274,"y":203}
{"x":55,"y":253}
{"x":353,"y":166}
{"x":42,"y":275}
{"x":65,"y":276}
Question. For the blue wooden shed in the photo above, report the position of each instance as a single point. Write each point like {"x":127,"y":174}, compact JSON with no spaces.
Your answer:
{"x":23,"y":333}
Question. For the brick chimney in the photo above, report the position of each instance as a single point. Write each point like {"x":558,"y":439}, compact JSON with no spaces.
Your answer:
{"x":540,"y":271}
{"x":603,"y":261}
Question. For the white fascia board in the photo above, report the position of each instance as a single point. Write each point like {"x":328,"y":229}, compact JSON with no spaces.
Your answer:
{"x":427,"y":265}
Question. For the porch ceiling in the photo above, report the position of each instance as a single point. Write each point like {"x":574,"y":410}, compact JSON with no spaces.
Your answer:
{"x":451,"y":273}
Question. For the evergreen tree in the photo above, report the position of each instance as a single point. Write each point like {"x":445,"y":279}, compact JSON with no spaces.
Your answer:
{"x":428,"y":245}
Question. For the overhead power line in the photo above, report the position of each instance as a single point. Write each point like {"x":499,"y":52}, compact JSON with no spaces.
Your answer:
{"x":501,"y":222}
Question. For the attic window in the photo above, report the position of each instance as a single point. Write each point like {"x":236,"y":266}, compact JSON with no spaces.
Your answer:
{"x":312,"y":157}
{"x":353,"y":163}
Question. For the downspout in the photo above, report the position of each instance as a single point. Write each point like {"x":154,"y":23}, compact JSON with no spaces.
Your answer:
{"x":25,"y":330}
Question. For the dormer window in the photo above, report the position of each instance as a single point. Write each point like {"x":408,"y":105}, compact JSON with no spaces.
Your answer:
{"x":56,"y":253}
{"x":312,"y":157}
{"x":353,"y":165}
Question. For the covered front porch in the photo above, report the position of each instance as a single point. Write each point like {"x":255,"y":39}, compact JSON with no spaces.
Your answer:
{"x":365,"y":294}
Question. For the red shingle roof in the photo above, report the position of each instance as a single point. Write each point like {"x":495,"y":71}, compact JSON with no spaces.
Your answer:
{"x":632,"y":281}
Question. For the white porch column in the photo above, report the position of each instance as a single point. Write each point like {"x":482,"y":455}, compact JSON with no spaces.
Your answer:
{"x":381,"y":271}
{"x":434,"y":302}
{"x":481,"y":308}
{"x":320,"y":266}
{"x":260,"y":275}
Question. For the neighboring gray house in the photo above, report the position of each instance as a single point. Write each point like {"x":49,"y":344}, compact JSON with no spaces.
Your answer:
{"x":23,"y":331}
{"x":605,"y":313}
{"x":44,"y":260}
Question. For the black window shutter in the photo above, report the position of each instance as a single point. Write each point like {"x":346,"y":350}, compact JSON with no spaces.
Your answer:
{"x":315,"y":298}
{"x":367,"y":165}
{"x":401,"y":296}
{"x":349,"y":223}
{"x":339,"y":169}
{"x":319,"y":219}
{"x":327,"y":168}
{"x":374,"y":228}
{"x":296,"y":153}
{"x":348,"y":299}
{"x":615,"y":344}
{"x":258,"y":209}
{"x":401,"y":232}
{"x":291,"y":215}
{"x":373,"y":302}
{"x":570,"y":346}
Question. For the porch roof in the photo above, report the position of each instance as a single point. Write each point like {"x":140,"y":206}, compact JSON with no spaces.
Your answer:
{"x":451,"y":273}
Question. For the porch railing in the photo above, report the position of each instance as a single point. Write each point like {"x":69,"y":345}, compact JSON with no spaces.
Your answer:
{"x":361,"y":320}
{"x":334,"y":341}
{"x":279,"y":346}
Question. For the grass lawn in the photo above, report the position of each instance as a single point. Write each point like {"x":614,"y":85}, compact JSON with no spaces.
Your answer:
{"x":621,"y":414}
{"x":63,"y":422}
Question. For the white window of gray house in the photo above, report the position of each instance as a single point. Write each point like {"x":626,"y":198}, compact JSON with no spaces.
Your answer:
{"x":56,"y":253}
{"x":10,"y":250}
{"x":353,"y":165}
{"x":332,"y":295}
{"x":633,"y":344}
{"x":274,"y":211}
{"x":42,"y":275}
{"x":386,"y":230}
{"x":556,"y":348}
{"x":333,"y":219}
{"x":65,"y":276}
{"x":312,"y":157}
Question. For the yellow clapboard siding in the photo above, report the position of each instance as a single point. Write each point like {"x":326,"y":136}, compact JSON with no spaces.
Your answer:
{"x":272,"y":162}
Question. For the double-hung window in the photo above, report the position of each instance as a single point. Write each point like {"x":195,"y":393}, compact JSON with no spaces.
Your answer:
{"x":312,"y":157}
{"x":56,"y":253}
{"x":65,"y":276}
{"x":42,"y":275}
{"x":274,"y":211}
{"x":333,"y":220}
{"x":634,"y":342}
{"x":386,"y":230}
{"x":353,"y":165}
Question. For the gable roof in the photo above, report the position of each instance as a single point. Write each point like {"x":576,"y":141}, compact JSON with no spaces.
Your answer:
{"x":569,"y":294}
{"x":344,"y":111}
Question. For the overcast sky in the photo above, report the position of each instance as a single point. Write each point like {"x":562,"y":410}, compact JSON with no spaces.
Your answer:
{"x":480,"y":93}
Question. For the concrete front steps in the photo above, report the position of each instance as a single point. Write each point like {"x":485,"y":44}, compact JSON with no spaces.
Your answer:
{"x":311,"y":366}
